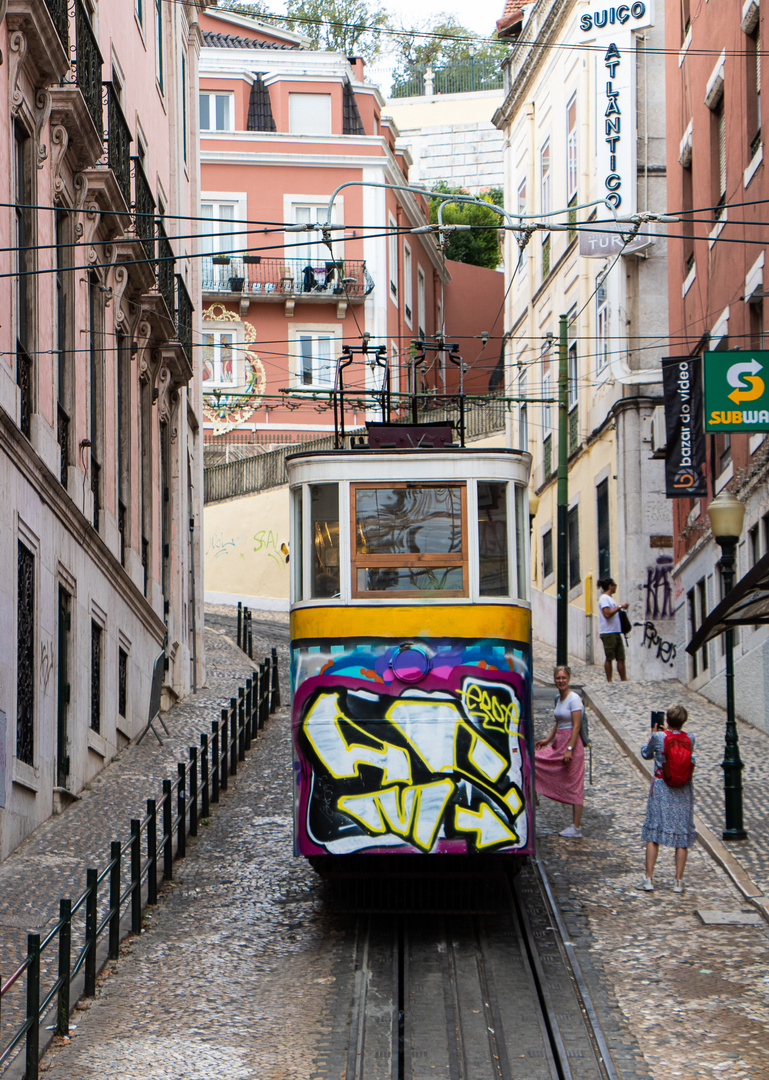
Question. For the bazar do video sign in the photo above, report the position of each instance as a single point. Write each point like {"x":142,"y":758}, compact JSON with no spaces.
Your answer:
{"x":736,"y":391}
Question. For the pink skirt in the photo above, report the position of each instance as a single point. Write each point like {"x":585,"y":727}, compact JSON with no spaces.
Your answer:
{"x":553,"y":777}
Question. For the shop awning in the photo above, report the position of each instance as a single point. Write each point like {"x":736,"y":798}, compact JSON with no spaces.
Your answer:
{"x":747,"y":604}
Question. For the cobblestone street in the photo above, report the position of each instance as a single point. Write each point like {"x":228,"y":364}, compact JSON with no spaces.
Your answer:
{"x":235,"y":972}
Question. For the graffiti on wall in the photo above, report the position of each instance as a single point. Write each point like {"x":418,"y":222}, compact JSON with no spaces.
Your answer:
{"x":659,"y":589}
{"x":666,"y":650}
{"x":384,"y":763}
{"x":219,"y":544}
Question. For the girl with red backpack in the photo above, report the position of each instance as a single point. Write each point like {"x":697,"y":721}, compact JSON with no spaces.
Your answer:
{"x":670,"y":806}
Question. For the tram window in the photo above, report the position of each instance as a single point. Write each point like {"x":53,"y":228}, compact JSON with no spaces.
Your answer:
{"x":522,"y":540}
{"x":297,"y":559}
{"x":324,"y":523}
{"x":492,"y":539}
{"x":409,"y":539}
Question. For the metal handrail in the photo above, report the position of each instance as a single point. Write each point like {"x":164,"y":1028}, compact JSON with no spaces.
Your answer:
{"x":199,"y":782}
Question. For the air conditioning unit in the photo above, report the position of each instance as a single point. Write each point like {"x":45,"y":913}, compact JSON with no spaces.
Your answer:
{"x":658,"y":433}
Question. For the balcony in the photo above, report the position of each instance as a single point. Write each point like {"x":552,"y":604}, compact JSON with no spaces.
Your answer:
{"x":88,"y":65}
{"x":118,"y":143}
{"x":45,"y":27}
{"x":166,"y":264}
{"x":184,"y":310}
{"x":254,"y":279}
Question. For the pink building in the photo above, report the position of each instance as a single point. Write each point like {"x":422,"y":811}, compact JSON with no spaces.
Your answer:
{"x":100,"y":464}
{"x":282,"y":128}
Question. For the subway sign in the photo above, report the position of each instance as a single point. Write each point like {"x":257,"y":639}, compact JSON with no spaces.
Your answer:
{"x":736,"y":391}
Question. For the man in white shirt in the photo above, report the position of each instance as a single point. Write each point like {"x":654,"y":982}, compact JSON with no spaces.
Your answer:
{"x":609,"y":628}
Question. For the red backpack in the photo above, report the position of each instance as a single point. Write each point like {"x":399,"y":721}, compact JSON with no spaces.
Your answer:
{"x":678,"y":766}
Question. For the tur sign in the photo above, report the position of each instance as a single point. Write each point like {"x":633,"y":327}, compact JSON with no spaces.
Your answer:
{"x":736,"y":391}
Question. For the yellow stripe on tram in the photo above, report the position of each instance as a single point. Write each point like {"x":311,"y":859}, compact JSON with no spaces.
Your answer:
{"x":480,"y":621}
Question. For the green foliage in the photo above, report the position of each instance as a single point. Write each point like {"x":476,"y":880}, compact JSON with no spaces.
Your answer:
{"x":479,"y":247}
{"x":252,"y":8}
{"x":460,"y":61}
{"x":347,"y":26}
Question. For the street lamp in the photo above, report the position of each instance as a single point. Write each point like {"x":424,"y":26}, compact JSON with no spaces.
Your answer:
{"x":726,"y":515}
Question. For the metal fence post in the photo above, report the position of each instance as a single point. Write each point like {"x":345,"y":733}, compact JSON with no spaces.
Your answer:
{"x":247,"y":706}
{"x":168,"y":832}
{"x":65,"y":959}
{"x":250,"y":639}
{"x":193,"y":791}
{"x":215,"y":761}
{"x":204,"y":776}
{"x":225,"y":759}
{"x":275,"y":703}
{"x":152,"y":852}
{"x":241,"y":725}
{"x":233,"y":736}
{"x":181,"y":810}
{"x":255,"y":687}
{"x":136,"y":876}
{"x":116,"y":856}
{"x":265,"y":693}
{"x":240,"y":622}
{"x":89,"y":988}
{"x":33,"y":1006}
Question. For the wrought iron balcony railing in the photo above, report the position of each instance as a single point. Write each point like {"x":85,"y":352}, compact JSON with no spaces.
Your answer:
{"x":166,"y":265}
{"x":279,"y":278}
{"x":24,"y":383}
{"x":88,"y":64}
{"x":573,"y":429}
{"x":118,"y":142}
{"x":144,"y":212}
{"x":58,"y":10}
{"x":184,"y":310}
{"x":62,"y":433}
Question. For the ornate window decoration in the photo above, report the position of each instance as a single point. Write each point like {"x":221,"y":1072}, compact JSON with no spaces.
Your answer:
{"x":227,"y":409}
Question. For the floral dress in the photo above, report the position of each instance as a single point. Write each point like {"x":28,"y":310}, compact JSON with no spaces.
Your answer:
{"x":669,"y":810}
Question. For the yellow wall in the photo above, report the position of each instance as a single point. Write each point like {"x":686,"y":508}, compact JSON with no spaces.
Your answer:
{"x":243,"y":560}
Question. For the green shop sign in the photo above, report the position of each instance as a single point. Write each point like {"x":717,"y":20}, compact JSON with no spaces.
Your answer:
{"x":736,"y":391}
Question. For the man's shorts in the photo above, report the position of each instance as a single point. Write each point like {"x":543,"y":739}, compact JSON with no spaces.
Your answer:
{"x":613,"y":646}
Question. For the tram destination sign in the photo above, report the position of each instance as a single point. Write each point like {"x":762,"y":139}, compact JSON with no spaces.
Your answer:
{"x":736,"y":391}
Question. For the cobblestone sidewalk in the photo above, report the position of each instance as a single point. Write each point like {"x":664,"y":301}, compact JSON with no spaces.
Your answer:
{"x":626,"y":710}
{"x":52,"y":862}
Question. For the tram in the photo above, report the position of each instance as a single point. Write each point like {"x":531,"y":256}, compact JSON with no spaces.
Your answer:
{"x":411,"y":647}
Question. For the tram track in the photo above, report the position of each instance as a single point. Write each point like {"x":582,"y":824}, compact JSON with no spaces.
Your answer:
{"x":473,"y":996}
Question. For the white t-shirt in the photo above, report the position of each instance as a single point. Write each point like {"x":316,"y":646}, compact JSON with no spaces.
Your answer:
{"x":564,"y":709}
{"x":608,"y":625}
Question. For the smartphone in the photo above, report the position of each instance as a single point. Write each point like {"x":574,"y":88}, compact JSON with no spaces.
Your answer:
{"x":658,"y":719}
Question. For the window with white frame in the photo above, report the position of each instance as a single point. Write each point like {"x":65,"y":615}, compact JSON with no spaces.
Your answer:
{"x":421,"y":306}
{"x":547,"y":421}
{"x":573,"y":373}
{"x":392,"y":258}
{"x":407,"y":283}
{"x":307,"y":249}
{"x":521,"y":208}
{"x":602,"y":325}
{"x":309,"y":114}
{"x":218,"y":239}
{"x":159,"y":65}
{"x":217,"y":112}
{"x":523,"y":413}
{"x":220,"y":368}
{"x":571,"y":149}
{"x":314,"y":358}
{"x":545,"y":173}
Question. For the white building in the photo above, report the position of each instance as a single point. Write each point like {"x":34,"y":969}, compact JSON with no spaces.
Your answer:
{"x":583,"y":118}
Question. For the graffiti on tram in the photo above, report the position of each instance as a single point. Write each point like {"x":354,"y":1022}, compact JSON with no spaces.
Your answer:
{"x":383,"y":763}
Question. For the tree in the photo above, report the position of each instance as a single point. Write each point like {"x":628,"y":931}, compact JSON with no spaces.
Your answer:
{"x":253,"y":8}
{"x":351,"y":27}
{"x":479,"y":247}
{"x":459,"y":60}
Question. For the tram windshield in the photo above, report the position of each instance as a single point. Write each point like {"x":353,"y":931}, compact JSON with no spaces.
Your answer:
{"x":409,"y":538}
{"x":324,"y":503}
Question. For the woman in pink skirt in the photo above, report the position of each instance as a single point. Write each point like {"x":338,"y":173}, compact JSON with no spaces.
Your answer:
{"x":559,"y":760}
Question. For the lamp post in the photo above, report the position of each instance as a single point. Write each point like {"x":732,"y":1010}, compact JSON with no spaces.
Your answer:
{"x":726,"y":515}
